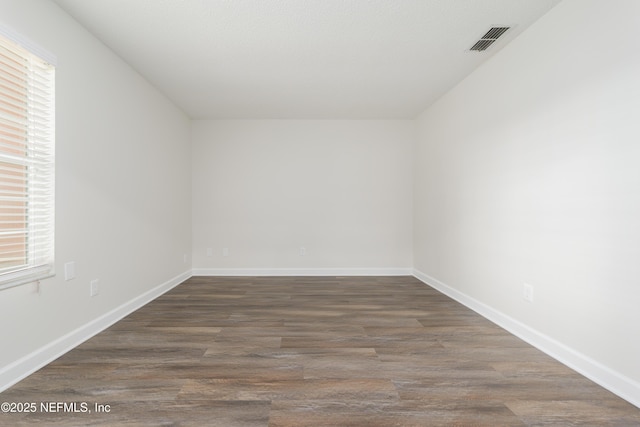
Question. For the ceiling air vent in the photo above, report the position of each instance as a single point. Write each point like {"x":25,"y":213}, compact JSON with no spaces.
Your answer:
{"x":489,"y":38}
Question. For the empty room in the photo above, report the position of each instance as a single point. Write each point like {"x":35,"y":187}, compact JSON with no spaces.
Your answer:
{"x":319,"y":212}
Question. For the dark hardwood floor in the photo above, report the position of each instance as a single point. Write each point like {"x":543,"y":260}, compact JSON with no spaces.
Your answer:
{"x":300,"y":351}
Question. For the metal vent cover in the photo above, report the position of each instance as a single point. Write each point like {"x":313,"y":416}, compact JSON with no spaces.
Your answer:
{"x":489,"y":38}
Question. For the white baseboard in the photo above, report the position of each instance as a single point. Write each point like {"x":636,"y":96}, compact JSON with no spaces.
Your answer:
{"x":302,"y":272}
{"x":613,"y":381}
{"x":25,"y":366}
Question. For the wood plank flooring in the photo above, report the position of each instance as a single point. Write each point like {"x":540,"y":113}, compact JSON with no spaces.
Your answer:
{"x":323,"y":351}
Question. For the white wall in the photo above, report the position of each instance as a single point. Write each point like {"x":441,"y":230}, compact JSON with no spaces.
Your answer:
{"x":528,"y":171}
{"x":263,"y":189}
{"x":123,"y":201}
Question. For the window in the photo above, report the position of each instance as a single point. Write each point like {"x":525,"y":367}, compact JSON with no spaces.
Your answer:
{"x":26,"y":164}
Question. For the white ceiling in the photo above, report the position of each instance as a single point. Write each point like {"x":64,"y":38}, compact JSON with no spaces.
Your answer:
{"x":302,"y":58}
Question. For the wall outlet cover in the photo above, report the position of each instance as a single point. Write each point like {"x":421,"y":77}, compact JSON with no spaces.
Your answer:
{"x":94,"y":287}
{"x":527,"y":292}
{"x":70,"y":270}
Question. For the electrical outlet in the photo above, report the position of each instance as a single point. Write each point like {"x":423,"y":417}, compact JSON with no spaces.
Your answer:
{"x":185,"y":258}
{"x":209,"y":252}
{"x":70,"y":270}
{"x":225,"y":251}
{"x":527,"y":292}
{"x":303,"y":251}
{"x":94,"y":287}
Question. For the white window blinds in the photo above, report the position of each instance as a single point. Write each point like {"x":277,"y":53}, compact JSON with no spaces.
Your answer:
{"x":27,"y":130}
